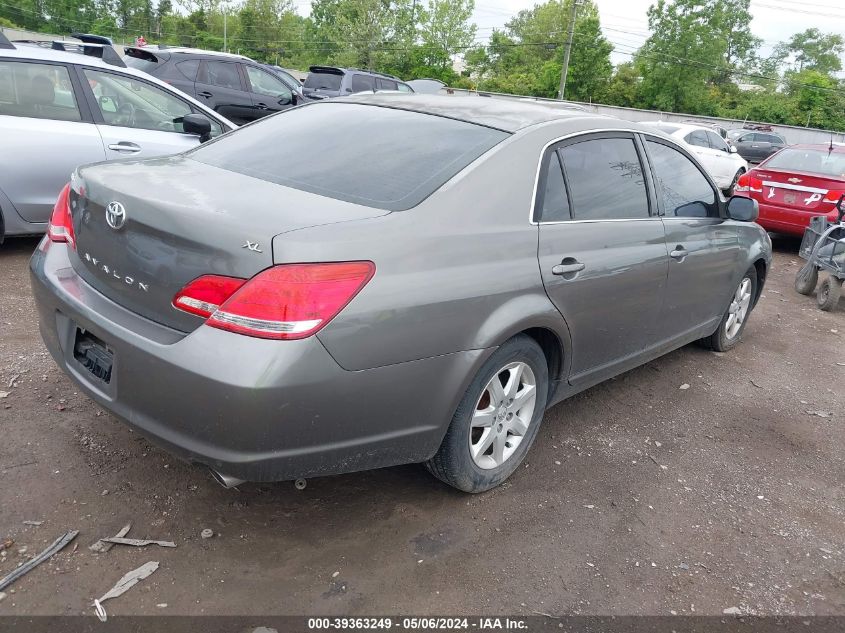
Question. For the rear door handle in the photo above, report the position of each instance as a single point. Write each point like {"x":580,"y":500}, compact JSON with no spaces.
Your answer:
{"x":261,"y":106}
{"x":125,"y":147}
{"x":568,"y":266}
{"x":679,"y":253}
{"x":205,"y":93}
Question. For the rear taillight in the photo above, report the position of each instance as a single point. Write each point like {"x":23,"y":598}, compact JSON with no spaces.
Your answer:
{"x":833,"y":196}
{"x":747,"y":182}
{"x":207,"y":293}
{"x":60,"y":228}
{"x":290,"y":301}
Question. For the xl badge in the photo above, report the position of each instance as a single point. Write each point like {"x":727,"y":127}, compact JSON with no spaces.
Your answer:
{"x":255,"y":247}
{"x":115,"y":215}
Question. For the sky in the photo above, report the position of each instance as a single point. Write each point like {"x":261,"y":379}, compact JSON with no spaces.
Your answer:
{"x":625,"y":22}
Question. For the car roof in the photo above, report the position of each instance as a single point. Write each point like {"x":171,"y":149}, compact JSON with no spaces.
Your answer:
{"x":678,"y":129}
{"x":38,"y":53}
{"x":503,"y":114}
{"x":186,"y":50}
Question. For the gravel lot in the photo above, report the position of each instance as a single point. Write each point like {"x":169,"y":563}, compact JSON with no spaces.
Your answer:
{"x":638,"y":497}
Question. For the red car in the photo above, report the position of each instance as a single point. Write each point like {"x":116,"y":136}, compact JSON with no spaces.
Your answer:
{"x":795,"y":184}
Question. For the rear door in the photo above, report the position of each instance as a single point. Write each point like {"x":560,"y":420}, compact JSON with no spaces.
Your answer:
{"x":136,"y":118}
{"x":269,"y":94}
{"x":602,"y":254}
{"x":703,"y":250}
{"x":219,"y":86}
{"x":360,"y":82}
{"x":46,"y":131}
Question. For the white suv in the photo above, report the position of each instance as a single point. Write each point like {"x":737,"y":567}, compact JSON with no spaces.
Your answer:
{"x":65,"y":104}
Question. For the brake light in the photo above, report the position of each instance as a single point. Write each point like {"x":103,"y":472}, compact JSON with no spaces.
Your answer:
{"x":747,"y":182}
{"x":60,"y":228}
{"x":833,"y":196}
{"x":207,"y":293}
{"x":290,"y":301}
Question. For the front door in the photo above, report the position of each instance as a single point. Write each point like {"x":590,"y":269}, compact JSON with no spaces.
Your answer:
{"x":269,"y":94}
{"x":602,"y":253}
{"x":219,"y":86}
{"x":703,"y":248}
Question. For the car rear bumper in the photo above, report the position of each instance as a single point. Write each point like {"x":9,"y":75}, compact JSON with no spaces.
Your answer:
{"x":249,"y":408}
{"x":786,"y":220}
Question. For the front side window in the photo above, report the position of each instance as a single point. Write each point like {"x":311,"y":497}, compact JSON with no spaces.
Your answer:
{"x":223,"y":74}
{"x":129,"y":102}
{"x":264,"y":83}
{"x":366,"y":167}
{"x":404,"y":87}
{"x":605,"y":179}
{"x":363,"y":83}
{"x":683,"y":189}
{"x":41,"y":91}
{"x":717,"y":142}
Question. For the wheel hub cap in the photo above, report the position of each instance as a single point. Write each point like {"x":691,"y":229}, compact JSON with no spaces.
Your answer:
{"x":738,"y":310}
{"x":502,"y":415}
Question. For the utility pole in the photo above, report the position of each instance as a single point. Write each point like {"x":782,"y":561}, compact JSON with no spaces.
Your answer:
{"x":563,"y":71}
{"x":225,"y":13}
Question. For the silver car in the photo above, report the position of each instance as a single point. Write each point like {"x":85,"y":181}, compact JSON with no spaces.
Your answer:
{"x":275,"y":304}
{"x":61,"y":109}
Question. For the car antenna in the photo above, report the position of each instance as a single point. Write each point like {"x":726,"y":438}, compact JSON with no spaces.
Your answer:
{"x":830,"y":149}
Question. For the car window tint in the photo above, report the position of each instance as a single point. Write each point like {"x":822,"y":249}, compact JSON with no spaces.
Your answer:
{"x":223,"y":74}
{"x":386,"y":84}
{"x":366,"y":167}
{"x":697,"y":137}
{"x":128,"y":102}
{"x":811,"y":161}
{"x":717,"y":142}
{"x":189,"y":68}
{"x":41,"y":91}
{"x":362,"y":83}
{"x":264,"y":83}
{"x":684,"y":190}
{"x":323,"y":81}
{"x":404,"y":87}
{"x":554,"y":203}
{"x":773,"y":139}
{"x":605,"y":179}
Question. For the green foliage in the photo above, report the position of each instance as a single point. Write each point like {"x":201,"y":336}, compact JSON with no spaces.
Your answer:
{"x":6,"y":23}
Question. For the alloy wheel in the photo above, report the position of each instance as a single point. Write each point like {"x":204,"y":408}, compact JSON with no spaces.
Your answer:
{"x":738,"y":309}
{"x":502,"y":415}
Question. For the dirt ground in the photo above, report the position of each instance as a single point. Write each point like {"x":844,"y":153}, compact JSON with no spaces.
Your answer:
{"x":638,"y":497}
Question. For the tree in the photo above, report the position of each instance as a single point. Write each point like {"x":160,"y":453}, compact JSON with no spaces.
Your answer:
{"x":445,"y":30}
{"x":814,"y":50}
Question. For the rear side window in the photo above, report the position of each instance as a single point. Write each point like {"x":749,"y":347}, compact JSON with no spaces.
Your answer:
{"x":361,"y":83}
{"x":189,"y":68}
{"x":553,"y":202}
{"x":605,"y":179}
{"x":40,"y":91}
{"x":323,"y":81}
{"x":698,"y":137}
{"x":684,"y":190}
{"x":223,"y":74}
{"x":369,"y":167}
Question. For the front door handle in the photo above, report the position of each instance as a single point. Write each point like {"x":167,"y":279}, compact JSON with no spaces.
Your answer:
{"x":261,"y":106}
{"x":568,"y":266}
{"x":205,"y":93}
{"x":679,"y":253}
{"x":125,"y":147}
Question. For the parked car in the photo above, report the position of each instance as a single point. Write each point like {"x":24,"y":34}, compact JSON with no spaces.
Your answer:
{"x":721,"y":131}
{"x":426,"y":86}
{"x":755,"y":146}
{"x":720,"y":160}
{"x":360,"y":307}
{"x":60,"y":109}
{"x":795,"y":184}
{"x":324,"y":82}
{"x":234,"y":86}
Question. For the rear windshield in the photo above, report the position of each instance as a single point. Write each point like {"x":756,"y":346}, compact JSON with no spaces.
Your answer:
{"x":811,"y":161}
{"x":323,"y":81}
{"x":378,"y":157}
{"x":140,"y":60}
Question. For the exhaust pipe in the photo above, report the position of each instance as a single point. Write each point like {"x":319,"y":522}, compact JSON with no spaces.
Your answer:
{"x":225,"y":480}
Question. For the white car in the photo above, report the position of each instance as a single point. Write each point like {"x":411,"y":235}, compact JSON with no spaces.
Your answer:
{"x":63,"y":105}
{"x":720,"y":160}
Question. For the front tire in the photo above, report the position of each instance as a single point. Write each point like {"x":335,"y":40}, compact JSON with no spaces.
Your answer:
{"x":829,"y":293}
{"x":497,"y":419}
{"x":730,"y":329}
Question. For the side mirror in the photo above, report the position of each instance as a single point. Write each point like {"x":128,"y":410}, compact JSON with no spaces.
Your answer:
{"x":743,"y":209}
{"x":732,"y":149}
{"x":197,"y":124}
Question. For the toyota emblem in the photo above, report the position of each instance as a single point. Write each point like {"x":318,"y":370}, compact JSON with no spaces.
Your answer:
{"x":115,"y":215}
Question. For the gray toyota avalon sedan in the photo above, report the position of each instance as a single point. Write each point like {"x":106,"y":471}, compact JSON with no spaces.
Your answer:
{"x":387,"y":279}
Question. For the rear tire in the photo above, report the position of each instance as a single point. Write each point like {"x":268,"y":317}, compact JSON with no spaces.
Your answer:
{"x":730,"y":329}
{"x":829,"y":293}
{"x":806,"y":279}
{"x":497,"y":419}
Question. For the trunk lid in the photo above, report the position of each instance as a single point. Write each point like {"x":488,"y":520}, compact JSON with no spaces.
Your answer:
{"x":809,"y":193}
{"x":183,"y":219}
